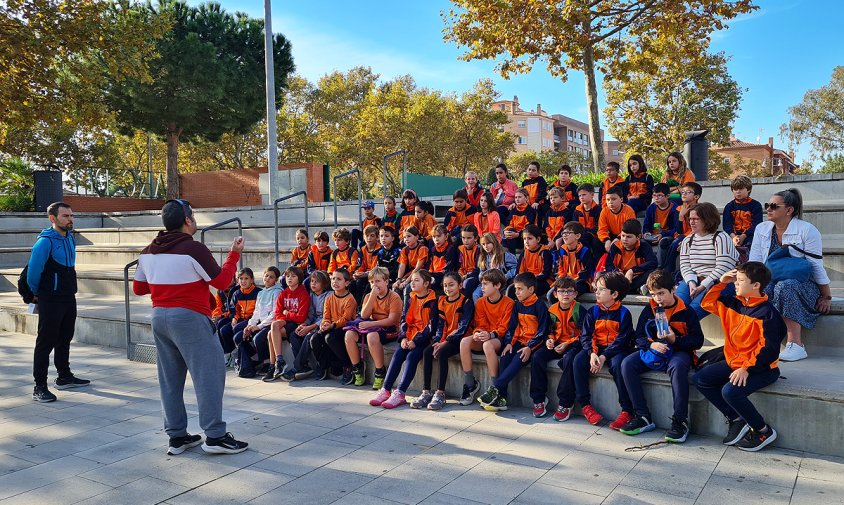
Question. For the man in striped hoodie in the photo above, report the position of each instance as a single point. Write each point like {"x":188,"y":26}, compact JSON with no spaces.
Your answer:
{"x":176,"y":270}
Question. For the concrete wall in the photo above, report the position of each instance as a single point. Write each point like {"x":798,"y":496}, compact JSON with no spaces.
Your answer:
{"x":82,"y":203}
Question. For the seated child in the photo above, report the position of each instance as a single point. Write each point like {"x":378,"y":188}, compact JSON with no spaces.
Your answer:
{"x":677,"y":346}
{"x":459,"y":215}
{"x":243,"y":306}
{"x":493,"y":256}
{"x":328,"y":345}
{"x":612,"y":180}
{"x":343,"y":256}
{"x":690,"y":193}
{"x":742,"y":214}
{"x":369,"y":254}
{"x":291,"y":310}
{"x":754,"y":331}
{"x":425,"y":222}
{"x":467,"y":259}
{"x":607,"y":338}
{"x":536,"y":259}
{"x":418,"y":327}
{"x":300,"y":339}
{"x":632,"y":256}
{"x":369,"y":219}
{"x":575,"y":260}
{"x":562,"y":344}
{"x":221,"y":313}
{"x":555,"y":217}
{"x":521,"y":215}
{"x":487,"y":219}
{"x":525,"y":334}
{"x":380,"y":315}
{"x":442,"y":256}
{"x":640,"y":184}
{"x":388,"y":256}
{"x":588,"y":214}
{"x":455,"y":313}
{"x":613,"y":216}
{"x":413,"y":256}
{"x":299,"y":255}
{"x":536,"y":187}
{"x":320,"y":255}
{"x":407,"y":217}
{"x":661,"y":218}
{"x":259,"y":323}
{"x":489,"y":324}
{"x":568,"y":188}
{"x":391,"y":217}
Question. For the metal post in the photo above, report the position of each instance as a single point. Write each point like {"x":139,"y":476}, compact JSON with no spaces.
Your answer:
{"x":403,"y":171}
{"x":149,"y":164}
{"x":126,"y":302}
{"x":360,"y":194}
{"x":272,"y":135}
{"x":275,"y":218}
{"x":403,"y":154}
{"x":220,"y":224}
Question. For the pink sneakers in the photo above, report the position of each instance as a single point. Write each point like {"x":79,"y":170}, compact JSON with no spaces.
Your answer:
{"x":396,"y":400}
{"x":382,"y":396}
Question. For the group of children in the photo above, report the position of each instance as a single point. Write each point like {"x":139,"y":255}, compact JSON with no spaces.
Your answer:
{"x":441,"y":290}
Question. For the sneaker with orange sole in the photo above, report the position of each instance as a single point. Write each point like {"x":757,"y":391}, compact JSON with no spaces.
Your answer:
{"x":621,"y":420}
{"x":592,"y":415}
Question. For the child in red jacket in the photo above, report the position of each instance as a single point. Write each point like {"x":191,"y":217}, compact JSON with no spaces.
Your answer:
{"x":291,"y":310}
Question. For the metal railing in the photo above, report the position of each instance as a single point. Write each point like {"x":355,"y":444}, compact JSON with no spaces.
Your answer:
{"x":275,"y":218}
{"x":220,"y":225}
{"x":403,"y":153}
{"x":360,"y":195}
{"x":126,"y":301}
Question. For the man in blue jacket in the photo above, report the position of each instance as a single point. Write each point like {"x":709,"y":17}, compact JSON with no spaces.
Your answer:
{"x":52,"y":278}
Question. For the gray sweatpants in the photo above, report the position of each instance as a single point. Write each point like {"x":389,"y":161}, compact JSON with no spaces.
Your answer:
{"x":185,"y":341}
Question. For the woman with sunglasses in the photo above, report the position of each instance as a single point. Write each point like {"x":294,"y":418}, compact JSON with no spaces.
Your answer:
{"x":800,"y":303}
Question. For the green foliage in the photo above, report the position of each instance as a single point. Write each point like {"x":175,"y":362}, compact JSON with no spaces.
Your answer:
{"x":550,"y":162}
{"x":819,"y":118}
{"x":833,"y":164}
{"x":17,"y":186}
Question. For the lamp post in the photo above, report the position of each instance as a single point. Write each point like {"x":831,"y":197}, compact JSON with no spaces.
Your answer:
{"x":272,"y":135}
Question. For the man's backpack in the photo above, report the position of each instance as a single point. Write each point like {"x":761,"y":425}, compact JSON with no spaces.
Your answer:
{"x":23,"y":287}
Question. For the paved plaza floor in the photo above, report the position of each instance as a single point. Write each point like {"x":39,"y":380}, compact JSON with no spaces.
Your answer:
{"x":317,"y":442}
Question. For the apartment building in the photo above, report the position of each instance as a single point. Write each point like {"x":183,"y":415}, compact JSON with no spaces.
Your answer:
{"x":777,"y":160}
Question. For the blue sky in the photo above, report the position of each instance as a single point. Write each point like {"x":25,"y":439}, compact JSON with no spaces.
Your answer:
{"x":779,"y":52}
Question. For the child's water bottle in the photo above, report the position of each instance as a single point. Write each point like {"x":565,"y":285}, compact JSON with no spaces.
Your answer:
{"x":661,"y":321}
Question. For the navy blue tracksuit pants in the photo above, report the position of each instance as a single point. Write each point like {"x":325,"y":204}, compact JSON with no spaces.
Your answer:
{"x":632,"y":369}
{"x":566,"y":389}
{"x":713,"y":381}
{"x":539,"y":372}
{"x":581,"y":379}
{"x":410,"y":359}
{"x":508,"y":368}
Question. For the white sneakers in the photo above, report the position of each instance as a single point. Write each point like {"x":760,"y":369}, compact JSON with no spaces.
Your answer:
{"x":793,"y":352}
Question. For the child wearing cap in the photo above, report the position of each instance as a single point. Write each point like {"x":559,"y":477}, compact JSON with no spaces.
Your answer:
{"x":369,"y":219}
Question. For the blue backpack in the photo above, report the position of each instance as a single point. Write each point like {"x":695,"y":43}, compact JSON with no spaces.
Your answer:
{"x":653,"y":359}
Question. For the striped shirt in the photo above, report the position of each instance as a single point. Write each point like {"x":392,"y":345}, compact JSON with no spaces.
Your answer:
{"x":708,"y":257}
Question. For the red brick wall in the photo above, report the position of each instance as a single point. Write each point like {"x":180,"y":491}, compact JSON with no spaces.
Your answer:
{"x":226,"y":188}
{"x":97,"y":204}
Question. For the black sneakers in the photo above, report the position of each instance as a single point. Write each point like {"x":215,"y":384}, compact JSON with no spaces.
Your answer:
{"x":736,"y":431}
{"x":289,"y":376}
{"x":679,"y":431}
{"x":178,"y":445}
{"x":756,"y":440}
{"x":43,"y":395}
{"x":348,"y":377}
{"x":71,"y":382}
{"x":469,"y":393}
{"x":224,"y":445}
{"x":274,"y":372}
{"x":637,"y":425}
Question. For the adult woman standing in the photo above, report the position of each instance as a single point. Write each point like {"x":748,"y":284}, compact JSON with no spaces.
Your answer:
{"x":503,"y":191}
{"x":705,"y":255}
{"x":799,"y":303}
{"x":473,"y":188}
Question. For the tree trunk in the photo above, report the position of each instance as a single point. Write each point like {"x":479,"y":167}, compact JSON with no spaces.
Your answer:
{"x":597,"y":144}
{"x":173,"y":161}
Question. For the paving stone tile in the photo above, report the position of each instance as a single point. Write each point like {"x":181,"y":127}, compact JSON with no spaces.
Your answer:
{"x":677,"y":477}
{"x":818,"y":467}
{"x":153,"y":463}
{"x":817,"y":491}
{"x":10,"y":463}
{"x":536,"y":448}
{"x":306,"y":457}
{"x":322,"y":486}
{"x":362,"y":499}
{"x":284,"y":437}
{"x":543,"y":494}
{"x":411,"y":482}
{"x":465,"y":449}
{"x":72,"y":490}
{"x":720,"y":490}
{"x":773,"y":466}
{"x":237,"y":487}
{"x":377,"y":458}
{"x":447,"y":499}
{"x":624,"y":495}
{"x":147,"y":490}
{"x":589,"y":473}
{"x":494,"y":482}
{"x":60,"y":448}
{"x":40,"y":475}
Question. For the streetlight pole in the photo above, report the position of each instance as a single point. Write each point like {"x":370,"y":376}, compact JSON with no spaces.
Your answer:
{"x":272,"y":135}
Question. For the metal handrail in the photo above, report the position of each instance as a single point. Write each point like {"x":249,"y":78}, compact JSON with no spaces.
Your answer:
{"x":360,"y":195}
{"x":219,"y":225}
{"x":403,"y":153}
{"x":275,"y":218}
{"x":126,"y":299}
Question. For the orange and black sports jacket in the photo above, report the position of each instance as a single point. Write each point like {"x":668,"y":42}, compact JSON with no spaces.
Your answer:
{"x":413,"y":258}
{"x":348,"y":259}
{"x":753,"y":328}
{"x":569,"y":194}
{"x":407,"y":218}
{"x":641,"y":259}
{"x":577,"y":264}
{"x":537,"y":189}
{"x":608,"y":331}
{"x":368,"y":259}
{"x":299,"y":256}
{"x":682,"y":320}
{"x":667,"y":218}
{"x":468,"y":261}
{"x":442,"y":259}
{"x":609,"y":224}
{"x":528,"y":324}
{"x":555,"y":218}
{"x":390,"y":220}
{"x":318,"y":260}
{"x":606,"y":184}
{"x":425,"y":226}
{"x":420,"y":318}
{"x":539,"y":262}
{"x":521,"y":217}
{"x":492,"y":317}
{"x":565,"y":324}
{"x":742,"y":216}
{"x":375,"y":221}
{"x":588,"y":218}
{"x":455,"y":317}
{"x":243,"y":303}
{"x":641,"y":187}
{"x":459,"y":218}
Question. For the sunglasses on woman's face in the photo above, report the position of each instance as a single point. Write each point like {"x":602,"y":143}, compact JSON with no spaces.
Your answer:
{"x":773,"y":206}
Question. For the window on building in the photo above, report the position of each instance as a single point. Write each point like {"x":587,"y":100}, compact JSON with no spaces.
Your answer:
{"x":586,"y":140}
{"x":522,"y":140}
{"x":777,"y":162}
{"x":571,"y":136}
{"x":502,"y":107}
{"x":522,"y":123}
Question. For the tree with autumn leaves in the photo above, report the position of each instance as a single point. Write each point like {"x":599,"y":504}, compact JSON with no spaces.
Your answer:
{"x":589,"y":36}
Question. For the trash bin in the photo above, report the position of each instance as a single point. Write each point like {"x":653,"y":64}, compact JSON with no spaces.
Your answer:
{"x":696,"y":151}
{"x":48,"y":187}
